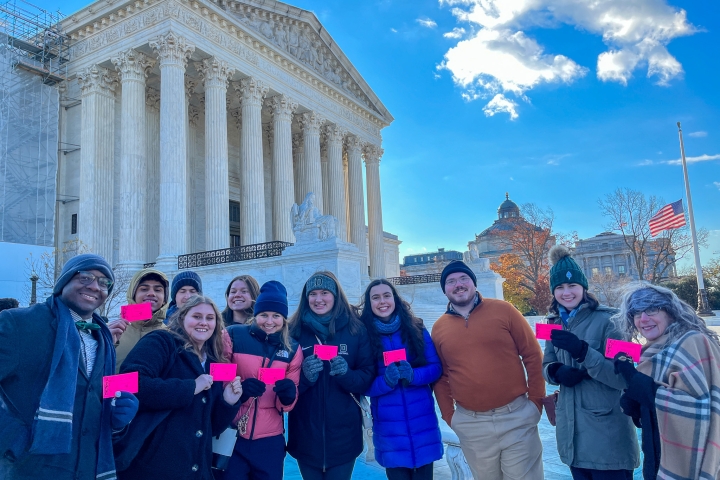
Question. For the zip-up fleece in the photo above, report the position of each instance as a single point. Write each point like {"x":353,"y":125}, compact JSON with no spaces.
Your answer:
{"x":483,"y":358}
{"x":254,"y":349}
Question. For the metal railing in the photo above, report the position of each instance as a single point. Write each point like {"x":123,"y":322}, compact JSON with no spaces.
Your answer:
{"x":232,"y":254}
{"x":415,"y":279}
{"x":149,"y":265}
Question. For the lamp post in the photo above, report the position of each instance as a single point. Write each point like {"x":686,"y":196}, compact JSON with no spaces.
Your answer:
{"x":33,"y":292}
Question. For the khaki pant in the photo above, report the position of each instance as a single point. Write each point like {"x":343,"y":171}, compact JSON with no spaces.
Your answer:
{"x":503,"y":443}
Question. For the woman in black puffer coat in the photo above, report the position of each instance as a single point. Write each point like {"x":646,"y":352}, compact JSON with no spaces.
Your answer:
{"x":325,"y":427}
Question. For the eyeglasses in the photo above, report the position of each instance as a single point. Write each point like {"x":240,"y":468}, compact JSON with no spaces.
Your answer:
{"x":87,"y":278}
{"x":463,"y":280}
{"x":650,"y":312}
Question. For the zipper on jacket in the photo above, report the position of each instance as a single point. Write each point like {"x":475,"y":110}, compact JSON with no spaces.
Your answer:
{"x":257,"y":399}
{"x":407,"y":423}
{"x":324,"y":404}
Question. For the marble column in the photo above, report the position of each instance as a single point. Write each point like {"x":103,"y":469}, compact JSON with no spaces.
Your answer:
{"x":356,"y":197}
{"x":282,"y":167}
{"x":215,"y":75}
{"x":196,"y":184}
{"x":324,"y":169}
{"x":336,"y":178}
{"x":191,"y":177}
{"x":298,"y":158}
{"x":97,"y":163}
{"x":134,"y":68}
{"x":252,"y":191}
{"x":173,"y":52}
{"x":310,"y":167}
{"x":375,"y":226}
{"x":152,"y":174}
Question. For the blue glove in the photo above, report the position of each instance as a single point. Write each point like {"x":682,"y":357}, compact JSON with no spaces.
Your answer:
{"x":338,"y":366}
{"x":124,"y":407}
{"x":392,"y":375}
{"x":406,"y":371}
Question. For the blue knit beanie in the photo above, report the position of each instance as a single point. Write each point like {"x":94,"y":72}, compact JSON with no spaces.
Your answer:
{"x":454,"y":267}
{"x":82,"y":263}
{"x":187,"y":278}
{"x":272,"y":298}
{"x":320,"y":282}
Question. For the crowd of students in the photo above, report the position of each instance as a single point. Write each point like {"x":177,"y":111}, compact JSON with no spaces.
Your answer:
{"x":482,"y":363}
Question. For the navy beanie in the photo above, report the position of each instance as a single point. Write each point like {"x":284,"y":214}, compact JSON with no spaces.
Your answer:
{"x":82,"y":263}
{"x":454,"y":267}
{"x":272,"y":298}
{"x":187,"y":278}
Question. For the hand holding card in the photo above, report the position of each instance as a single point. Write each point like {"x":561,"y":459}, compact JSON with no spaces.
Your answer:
{"x":543,"y":330}
{"x":136,"y":312}
{"x":613,"y":347}
{"x":126,"y":382}
{"x":223,"y":372}
{"x":326,"y":352}
{"x":392,"y":356}
{"x":270,"y":375}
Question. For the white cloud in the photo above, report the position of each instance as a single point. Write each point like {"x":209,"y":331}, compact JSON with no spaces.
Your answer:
{"x":500,"y":104}
{"x":697,"y":134}
{"x":700,"y":158}
{"x":646,"y":163}
{"x":500,"y":57}
{"x":426,"y":22}
{"x":717,"y":184}
{"x":456,"y":33}
{"x":393,"y":30}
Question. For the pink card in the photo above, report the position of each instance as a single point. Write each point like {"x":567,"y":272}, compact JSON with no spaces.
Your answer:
{"x":271,"y":375}
{"x":326,"y":352}
{"x":394,"y":356}
{"x":223,"y":372}
{"x":137,"y":312}
{"x":613,"y":347}
{"x":543,"y":330}
{"x":125,"y":382}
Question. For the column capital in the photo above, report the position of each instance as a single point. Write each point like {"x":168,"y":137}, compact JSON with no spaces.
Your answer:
{"x":282,"y":107}
{"x":96,"y":79}
{"x":334,"y":133}
{"x":152,"y":98}
{"x":193,"y":115}
{"x":354,"y":144}
{"x":214,"y":72}
{"x":372,"y":153}
{"x":172,"y":49}
{"x":311,"y":122}
{"x":251,"y":91}
{"x":133,"y":65}
{"x":190,"y":84}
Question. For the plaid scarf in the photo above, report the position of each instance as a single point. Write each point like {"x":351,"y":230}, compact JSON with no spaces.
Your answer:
{"x":687,"y":404}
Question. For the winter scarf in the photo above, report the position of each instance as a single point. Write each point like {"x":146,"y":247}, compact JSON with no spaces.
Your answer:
{"x":687,"y":404}
{"x":567,"y":317}
{"x":387,"y":328}
{"x":52,"y":428}
{"x":319,"y":324}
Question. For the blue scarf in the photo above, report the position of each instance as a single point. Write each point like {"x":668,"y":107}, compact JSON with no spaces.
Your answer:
{"x":320,"y":325}
{"x":387,"y":328}
{"x":567,"y":317}
{"x":52,"y":428}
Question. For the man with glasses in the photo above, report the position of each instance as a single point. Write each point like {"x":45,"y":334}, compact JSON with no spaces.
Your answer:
{"x":54,"y":422}
{"x":486,"y":348}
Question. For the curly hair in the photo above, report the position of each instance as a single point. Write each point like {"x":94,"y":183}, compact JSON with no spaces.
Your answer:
{"x":214,"y":345}
{"x":253,"y":289}
{"x":411,"y":327}
{"x":639,"y":296}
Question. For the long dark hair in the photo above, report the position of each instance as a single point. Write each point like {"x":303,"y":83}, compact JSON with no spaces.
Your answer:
{"x":254,"y":290}
{"x":588,"y":298}
{"x":411,"y":327}
{"x":341,"y":308}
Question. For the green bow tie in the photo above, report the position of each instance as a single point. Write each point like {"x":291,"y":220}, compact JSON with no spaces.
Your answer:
{"x":87,"y":326}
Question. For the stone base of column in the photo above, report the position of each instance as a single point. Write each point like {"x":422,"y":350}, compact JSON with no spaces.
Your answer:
{"x":130,"y":268}
{"x":168,"y":264}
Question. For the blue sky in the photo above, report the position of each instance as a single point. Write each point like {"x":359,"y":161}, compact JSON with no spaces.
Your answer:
{"x":548,"y":100}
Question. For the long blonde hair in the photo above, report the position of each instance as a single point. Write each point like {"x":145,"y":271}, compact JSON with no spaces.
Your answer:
{"x":214,"y":346}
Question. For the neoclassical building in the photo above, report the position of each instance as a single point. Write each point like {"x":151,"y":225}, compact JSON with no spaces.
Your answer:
{"x":194,"y":125}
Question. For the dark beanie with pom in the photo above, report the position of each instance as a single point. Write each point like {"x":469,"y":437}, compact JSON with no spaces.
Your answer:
{"x":564,"y":269}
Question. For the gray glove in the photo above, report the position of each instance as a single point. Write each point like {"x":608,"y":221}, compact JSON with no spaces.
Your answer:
{"x":312,"y":366}
{"x":338,"y":366}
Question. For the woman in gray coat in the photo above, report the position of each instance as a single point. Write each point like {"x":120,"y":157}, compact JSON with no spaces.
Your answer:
{"x":594,"y":438}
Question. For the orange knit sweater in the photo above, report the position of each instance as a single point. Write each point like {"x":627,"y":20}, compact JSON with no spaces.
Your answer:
{"x":483,"y":357}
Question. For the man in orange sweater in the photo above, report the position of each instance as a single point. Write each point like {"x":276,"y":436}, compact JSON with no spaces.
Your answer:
{"x":486,"y":348}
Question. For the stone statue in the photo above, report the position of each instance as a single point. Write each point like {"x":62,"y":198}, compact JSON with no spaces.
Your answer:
{"x":309,"y":225}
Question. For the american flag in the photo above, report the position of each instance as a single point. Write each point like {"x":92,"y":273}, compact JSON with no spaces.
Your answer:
{"x":668,"y":217}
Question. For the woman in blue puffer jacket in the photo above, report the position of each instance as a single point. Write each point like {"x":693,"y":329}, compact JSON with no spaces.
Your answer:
{"x":405,"y":427}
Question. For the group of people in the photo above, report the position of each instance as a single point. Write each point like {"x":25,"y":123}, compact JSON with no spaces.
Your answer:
{"x":482,"y":364}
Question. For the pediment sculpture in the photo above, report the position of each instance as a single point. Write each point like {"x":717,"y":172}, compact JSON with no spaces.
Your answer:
{"x":309,"y":225}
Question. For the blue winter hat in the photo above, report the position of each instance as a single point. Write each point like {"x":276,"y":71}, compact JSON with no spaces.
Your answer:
{"x":187,"y":278}
{"x":82,"y":263}
{"x":321,"y":282}
{"x":272,"y":298}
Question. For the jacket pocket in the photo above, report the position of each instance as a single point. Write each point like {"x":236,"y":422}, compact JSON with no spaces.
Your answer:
{"x":597,"y":398}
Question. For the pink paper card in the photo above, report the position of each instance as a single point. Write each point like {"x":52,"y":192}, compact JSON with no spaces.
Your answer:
{"x":543,"y":330}
{"x":394,"y":356}
{"x":271,"y":375}
{"x":137,"y":312}
{"x":613,"y":347}
{"x":125,"y":382}
{"x":223,"y":372}
{"x":326,"y":352}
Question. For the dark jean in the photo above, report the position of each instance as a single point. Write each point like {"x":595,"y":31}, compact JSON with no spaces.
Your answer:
{"x":339,"y":472}
{"x":401,"y":473}
{"x":260,"y":459}
{"x":587,"y":474}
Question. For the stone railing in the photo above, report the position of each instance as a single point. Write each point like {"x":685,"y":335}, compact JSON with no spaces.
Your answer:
{"x":459,"y":469}
{"x":232,"y":254}
{"x":415,"y":279}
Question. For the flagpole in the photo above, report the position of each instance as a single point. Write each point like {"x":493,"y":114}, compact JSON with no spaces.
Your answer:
{"x":703,"y":304}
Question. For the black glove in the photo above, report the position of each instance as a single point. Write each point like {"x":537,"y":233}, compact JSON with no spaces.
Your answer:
{"x":285,"y":391}
{"x":569,"y":342}
{"x":566,"y":376}
{"x":631,"y":408}
{"x":124,"y":407}
{"x":311,"y":367}
{"x":252,"y":387}
{"x":625,"y":367}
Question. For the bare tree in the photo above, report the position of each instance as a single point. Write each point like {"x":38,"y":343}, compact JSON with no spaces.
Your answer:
{"x":608,"y":288}
{"x":629,"y":212}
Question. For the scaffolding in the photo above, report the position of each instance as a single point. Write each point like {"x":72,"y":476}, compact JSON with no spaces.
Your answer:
{"x":33,"y":60}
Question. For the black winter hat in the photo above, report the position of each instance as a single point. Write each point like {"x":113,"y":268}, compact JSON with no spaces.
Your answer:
{"x":454,"y":267}
{"x":272,"y":298}
{"x":185,"y":279}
